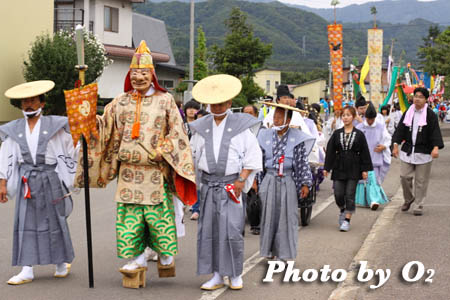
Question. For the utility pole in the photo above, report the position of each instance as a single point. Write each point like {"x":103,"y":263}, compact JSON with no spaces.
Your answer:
{"x":392,"y":48}
{"x":86,"y":15}
{"x":304,"y":45}
{"x":191,"y":50}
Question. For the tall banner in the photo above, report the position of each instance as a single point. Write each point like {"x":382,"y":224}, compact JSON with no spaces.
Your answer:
{"x":335,"y":44}
{"x":375,"y":52}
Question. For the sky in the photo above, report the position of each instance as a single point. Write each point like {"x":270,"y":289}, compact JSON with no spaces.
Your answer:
{"x":326,"y":3}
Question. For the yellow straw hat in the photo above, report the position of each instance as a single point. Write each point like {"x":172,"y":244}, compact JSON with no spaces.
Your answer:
{"x":216,"y":89}
{"x":284,"y":106}
{"x":29,"y":89}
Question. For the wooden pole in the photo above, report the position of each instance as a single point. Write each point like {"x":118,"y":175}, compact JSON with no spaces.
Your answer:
{"x":81,"y":67}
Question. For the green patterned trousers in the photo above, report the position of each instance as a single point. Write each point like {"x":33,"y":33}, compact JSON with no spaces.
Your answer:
{"x":139,"y":226}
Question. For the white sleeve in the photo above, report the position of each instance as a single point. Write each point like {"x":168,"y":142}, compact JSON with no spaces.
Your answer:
{"x":9,"y":165}
{"x":197,"y":144}
{"x":387,"y":143}
{"x":252,"y":159}
{"x":328,"y":129}
{"x":66,"y":156}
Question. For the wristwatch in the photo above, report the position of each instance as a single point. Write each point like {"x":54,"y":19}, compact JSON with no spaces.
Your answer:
{"x":241,"y":179}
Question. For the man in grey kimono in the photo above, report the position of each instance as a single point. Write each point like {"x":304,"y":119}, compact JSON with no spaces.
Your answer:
{"x":227,"y":157}
{"x":38,"y":164}
{"x":286,"y":177}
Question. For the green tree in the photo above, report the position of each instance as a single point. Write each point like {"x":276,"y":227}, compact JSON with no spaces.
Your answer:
{"x":249,"y":93}
{"x":373,"y":11}
{"x":428,"y":51}
{"x":435,"y":55}
{"x":334,"y":3}
{"x":241,"y":54}
{"x":54,"y":58}
{"x":201,"y":64}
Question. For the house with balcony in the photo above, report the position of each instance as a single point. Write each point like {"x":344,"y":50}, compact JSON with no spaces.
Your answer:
{"x":113,"y":21}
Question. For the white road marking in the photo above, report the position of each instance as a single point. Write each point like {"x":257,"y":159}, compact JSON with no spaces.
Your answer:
{"x":255,"y":259}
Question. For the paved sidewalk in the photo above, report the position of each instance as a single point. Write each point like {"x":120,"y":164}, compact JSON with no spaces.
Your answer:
{"x":402,"y":237}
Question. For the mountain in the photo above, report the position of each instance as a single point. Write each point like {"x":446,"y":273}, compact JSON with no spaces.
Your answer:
{"x":393,"y":11}
{"x":286,"y":28}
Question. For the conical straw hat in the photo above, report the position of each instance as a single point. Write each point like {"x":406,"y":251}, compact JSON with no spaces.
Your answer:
{"x":284,"y":106}
{"x":29,"y":89}
{"x":216,"y":89}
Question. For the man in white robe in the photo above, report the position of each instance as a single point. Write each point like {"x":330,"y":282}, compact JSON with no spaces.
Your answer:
{"x":37,"y":165}
{"x":227,"y":157}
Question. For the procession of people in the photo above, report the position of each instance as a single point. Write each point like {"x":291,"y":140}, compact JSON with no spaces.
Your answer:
{"x":229,"y":166}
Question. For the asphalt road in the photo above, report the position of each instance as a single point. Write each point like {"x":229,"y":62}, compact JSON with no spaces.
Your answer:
{"x":418,"y":238}
{"x":412,"y":238}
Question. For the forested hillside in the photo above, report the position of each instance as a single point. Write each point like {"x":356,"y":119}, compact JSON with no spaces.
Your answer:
{"x":283,"y":26}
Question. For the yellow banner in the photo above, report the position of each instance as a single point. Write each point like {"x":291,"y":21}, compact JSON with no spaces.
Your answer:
{"x":81,"y":106}
{"x":375,"y":53}
{"x":364,"y":71}
{"x":335,"y":45}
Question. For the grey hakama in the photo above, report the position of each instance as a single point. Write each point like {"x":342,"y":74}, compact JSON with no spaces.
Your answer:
{"x":220,"y":240}
{"x":279,"y":194}
{"x":41,"y":233}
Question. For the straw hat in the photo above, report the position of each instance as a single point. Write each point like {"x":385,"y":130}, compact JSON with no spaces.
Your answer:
{"x":216,"y":89}
{"x":284,"y":106}
{"x":29,"y":89}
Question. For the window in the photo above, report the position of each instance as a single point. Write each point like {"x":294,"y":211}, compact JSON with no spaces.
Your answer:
{"x":111,"y":19}
{"x":277,"y":84}
{"x":267,"y":86}
{"x":167,"y":84}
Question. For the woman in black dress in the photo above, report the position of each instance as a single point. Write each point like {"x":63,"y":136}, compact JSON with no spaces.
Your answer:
{"x":348,"y":158}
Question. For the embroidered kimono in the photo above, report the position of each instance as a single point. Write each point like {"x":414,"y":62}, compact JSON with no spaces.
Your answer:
{"x":220,"y":153}
{"x":145,"y":208}
{"x":39,"y":167}
{"x":279,"y":194}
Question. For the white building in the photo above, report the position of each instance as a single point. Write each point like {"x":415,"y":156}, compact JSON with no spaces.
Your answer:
{"x":112,"y":22}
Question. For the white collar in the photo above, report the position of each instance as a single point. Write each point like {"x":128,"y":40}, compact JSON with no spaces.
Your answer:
{"x":150,"y":91}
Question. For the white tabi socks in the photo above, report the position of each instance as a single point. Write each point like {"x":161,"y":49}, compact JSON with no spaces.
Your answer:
{"x":216,"y":282}
{"x":26,"y":275}
{"x":236,"y":283}
{"x":138,"y":262}
{"x":150,"y":255}
{"x":62,"y":270}
{"x":166,"y":260}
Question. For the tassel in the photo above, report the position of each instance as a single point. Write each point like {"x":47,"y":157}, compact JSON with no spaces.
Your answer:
{"x":135,"y":130}
{"x":137,"y":124}
{"x":26,"y":188}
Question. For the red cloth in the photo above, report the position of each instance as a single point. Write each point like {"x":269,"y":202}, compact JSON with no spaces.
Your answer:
{"x":186,"y":190}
